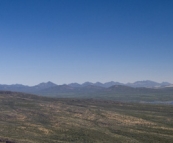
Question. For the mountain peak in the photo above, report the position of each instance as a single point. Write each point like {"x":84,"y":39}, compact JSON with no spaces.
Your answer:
{"x":146,"y":83}
{"x":87,"y":83}
{"x":45,"y":85}
{"x":74,"y":84}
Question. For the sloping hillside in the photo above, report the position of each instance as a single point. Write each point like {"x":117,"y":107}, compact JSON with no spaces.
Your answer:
{"x":27,"y":118}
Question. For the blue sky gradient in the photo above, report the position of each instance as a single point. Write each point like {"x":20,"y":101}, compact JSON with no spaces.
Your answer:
{"x":66,"y":41}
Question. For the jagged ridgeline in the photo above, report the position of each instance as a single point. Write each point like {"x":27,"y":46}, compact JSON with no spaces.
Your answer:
{"x":140,"y":91}
{"x":26,"y":118}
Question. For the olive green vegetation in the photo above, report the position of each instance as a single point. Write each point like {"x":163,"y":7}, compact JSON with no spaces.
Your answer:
{"x":117,"y":93}
{"x":27,"y":118}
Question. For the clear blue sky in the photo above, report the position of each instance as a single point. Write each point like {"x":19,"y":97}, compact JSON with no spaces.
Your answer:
{"x":66,"y":41}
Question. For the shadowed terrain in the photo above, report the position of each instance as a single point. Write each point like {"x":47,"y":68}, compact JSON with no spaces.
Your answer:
{"x":113,"y":91}
{"x":26,"y":118}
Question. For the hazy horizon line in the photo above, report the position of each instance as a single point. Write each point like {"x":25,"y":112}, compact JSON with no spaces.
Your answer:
{"x":83,"y":82}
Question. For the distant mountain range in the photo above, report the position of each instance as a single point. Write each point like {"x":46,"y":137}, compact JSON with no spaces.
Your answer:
{"x":106,"y":85}
{"x":44,"y":85}
{"x":52,"y":87}
{"x":137,"y":91}
{"x":145,"y":83}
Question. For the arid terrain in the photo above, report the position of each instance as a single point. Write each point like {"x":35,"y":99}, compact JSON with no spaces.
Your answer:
{"x":27,"y":118}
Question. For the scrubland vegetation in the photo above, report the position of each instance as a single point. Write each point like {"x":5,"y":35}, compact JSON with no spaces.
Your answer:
{"x":27,"y":118}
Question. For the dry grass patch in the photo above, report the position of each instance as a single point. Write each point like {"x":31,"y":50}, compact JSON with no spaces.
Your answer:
{"x":126,"y":119}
